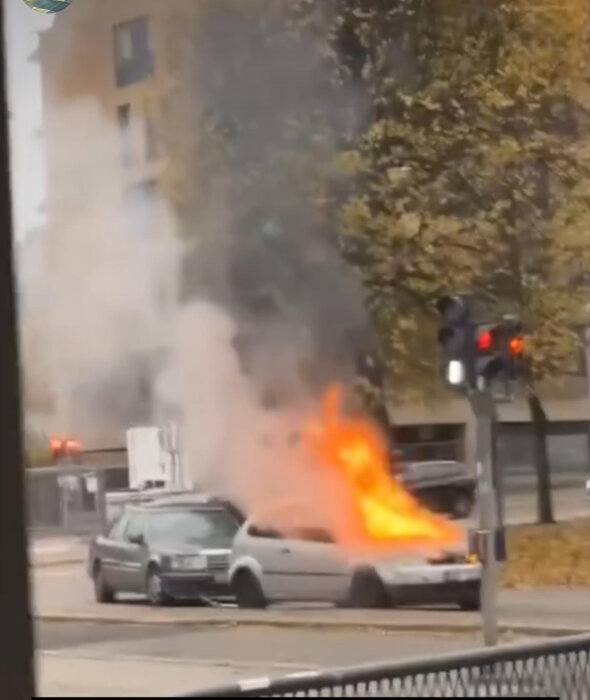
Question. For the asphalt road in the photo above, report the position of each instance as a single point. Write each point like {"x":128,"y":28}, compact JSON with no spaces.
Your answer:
{"x":105,"y":660}
{"x":110,"y":657}
{"x":66,"y":593}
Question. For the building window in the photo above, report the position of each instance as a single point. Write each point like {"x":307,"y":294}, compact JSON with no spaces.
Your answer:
{"x":134,"y":60}
{"x":124,"y":122}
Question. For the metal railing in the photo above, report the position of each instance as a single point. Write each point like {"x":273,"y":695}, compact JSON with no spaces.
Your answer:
{"x":68,"y":500}
{"x":559,"y":668}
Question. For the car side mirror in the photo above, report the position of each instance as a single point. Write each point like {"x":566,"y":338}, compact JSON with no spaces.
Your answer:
{"x":137,"y":539}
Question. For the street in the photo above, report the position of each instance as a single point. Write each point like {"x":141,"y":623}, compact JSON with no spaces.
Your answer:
{"x":129,"y":648}
{"x":65,"y":592}
{"x":77,"y":659}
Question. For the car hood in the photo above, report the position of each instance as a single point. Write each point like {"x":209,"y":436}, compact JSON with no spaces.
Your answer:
{"x":176,"y":548}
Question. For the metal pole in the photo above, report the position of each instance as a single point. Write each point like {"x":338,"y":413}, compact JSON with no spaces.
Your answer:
{"x":483,"y":407}
{"x":16,"y":638}
{"x":498,"y":472}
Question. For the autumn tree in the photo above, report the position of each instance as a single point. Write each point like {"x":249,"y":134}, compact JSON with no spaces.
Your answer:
{"x":476,"y":177}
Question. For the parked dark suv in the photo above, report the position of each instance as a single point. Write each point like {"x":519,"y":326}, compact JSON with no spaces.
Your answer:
{"x":444,"y":486}
{"x":172,"y":548}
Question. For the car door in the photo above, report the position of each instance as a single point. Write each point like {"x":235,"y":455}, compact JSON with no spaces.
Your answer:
{"x":319,"y":569}
{"x":271,"y":551}
{"x":134,"y":553}
{"x":109,"y":550}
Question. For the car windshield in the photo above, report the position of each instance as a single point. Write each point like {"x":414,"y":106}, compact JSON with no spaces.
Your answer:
{"x":434,"y":470}
{"x":191,"y":526}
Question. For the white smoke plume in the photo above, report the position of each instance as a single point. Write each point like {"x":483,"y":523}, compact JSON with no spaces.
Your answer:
{"x":126,"y":347}
{"x":232,"y":445}
{"x":109,"y":281}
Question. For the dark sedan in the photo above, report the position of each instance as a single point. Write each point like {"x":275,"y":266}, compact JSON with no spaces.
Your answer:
{"x":445,"y":486}
{"x":172,"y":548}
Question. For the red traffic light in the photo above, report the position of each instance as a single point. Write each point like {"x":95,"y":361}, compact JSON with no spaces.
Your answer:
{"x":485,"y":340}
{"x":516,"y":345}
{"x":62,"y":447}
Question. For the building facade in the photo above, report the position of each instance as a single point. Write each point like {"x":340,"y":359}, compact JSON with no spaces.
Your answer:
{"x":106,"y":75}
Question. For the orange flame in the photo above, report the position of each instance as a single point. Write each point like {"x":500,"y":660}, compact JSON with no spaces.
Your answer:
{"x":386,"y":513}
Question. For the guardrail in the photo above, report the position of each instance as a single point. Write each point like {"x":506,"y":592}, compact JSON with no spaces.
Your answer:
{"x":559,"y":668}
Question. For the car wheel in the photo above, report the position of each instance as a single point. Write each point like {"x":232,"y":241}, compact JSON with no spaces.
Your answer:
{"x":367,"y":590}
{"x":471,"y":600}
{"x":461,"y":506}
{"x":154,"y":588}
{"x":103,"y":593}
{"x":248,"y":591}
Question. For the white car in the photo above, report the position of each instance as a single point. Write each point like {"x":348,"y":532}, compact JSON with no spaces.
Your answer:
{"x":588,"y":489}
{"x":267,"y":568}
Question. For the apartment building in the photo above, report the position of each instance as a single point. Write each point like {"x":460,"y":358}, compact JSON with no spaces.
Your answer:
{"x":102,"y":88}
{"x":114,"y":56}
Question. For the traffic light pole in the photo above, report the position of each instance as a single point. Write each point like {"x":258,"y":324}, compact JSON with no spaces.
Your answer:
{"x":484,"y":410}
{"x":16,"y":641}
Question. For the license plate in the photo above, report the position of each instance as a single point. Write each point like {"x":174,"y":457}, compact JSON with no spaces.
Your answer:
{"x":197,"y":562}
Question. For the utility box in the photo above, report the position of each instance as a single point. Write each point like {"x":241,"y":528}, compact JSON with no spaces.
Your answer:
{"x":152,"y":461}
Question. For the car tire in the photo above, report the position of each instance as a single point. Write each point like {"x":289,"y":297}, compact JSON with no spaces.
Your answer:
{"x":103,"y":593}
{"x":248,"y":591}
{"x":461,"y":506}
{"x":367,"y":590}
{"x":471,"y":600}
{"x":154,"y":589}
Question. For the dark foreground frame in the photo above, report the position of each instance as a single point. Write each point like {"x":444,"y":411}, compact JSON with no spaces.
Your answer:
{"x":16,"y":640}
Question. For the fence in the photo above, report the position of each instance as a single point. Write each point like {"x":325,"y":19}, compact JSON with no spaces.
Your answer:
{"x":558,"y":668}
{"x":67,"y":500}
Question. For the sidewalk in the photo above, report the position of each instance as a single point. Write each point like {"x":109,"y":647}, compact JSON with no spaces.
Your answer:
{"x":56,"y":551}
{"x":64,"y":675}
{"x":533,"y":613}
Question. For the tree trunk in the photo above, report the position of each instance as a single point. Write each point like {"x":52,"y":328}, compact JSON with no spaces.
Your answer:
{"x":541,"y":459}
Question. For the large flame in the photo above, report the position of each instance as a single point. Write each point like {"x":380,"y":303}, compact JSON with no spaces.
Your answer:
{"x":385,"y":512}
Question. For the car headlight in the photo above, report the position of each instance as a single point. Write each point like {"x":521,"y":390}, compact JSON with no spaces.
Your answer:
{"x":191,"y":563}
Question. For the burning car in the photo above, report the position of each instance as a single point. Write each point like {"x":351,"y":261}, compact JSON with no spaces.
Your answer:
{"x":308,"y":565}
{"x":360,"y":538}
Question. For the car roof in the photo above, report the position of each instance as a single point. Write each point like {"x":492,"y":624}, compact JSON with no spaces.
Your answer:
{"x":187,"y":500}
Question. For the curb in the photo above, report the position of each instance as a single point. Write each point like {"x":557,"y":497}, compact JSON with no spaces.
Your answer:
{"x":67,"y":561}
{"x":524,"y":629}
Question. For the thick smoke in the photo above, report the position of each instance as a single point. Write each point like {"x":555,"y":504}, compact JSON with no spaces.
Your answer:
{"x":281,"y":306}
{"x":236,"y":332}
{"x":234,"y":445}
{"x":109,"y":279}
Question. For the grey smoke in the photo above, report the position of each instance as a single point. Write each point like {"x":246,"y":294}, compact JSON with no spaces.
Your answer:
{"x":235,"y":332}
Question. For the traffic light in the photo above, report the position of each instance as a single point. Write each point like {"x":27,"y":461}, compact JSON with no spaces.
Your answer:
{"x":499,"y":350}
{"x":514,"y":349}
{"x":489,"y":361}
{"x":456,"y":339}
{"x":64,"y":447}
{"x":475,"y":354}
